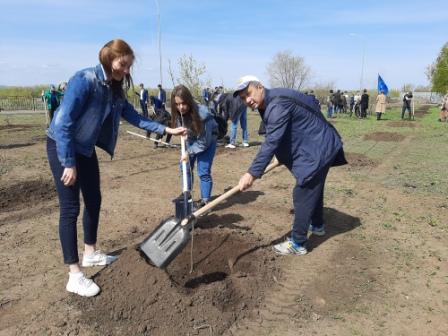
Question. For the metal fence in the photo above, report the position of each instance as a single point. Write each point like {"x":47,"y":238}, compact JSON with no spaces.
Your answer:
{"x":21,"y":103}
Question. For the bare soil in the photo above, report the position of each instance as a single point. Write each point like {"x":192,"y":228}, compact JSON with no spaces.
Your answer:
{"x":384,"y":136}
{"x":381,"y":269}
{"x":401,"y":123}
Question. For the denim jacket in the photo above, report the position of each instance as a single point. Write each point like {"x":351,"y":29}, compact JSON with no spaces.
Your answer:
{"x":198,"y":144}
{"x":89,"y":115}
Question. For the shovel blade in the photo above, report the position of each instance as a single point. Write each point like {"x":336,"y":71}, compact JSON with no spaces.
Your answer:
{"x":166,"y":242}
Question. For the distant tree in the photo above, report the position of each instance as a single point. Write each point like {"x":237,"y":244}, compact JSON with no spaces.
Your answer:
{"x":439,"y":78}
{"x":287,"y":70}
{"x":321,"y":90}
{"x":190,"y":73}
{"x":408,"y":87}
{"x":22,"y":91}
{"x":422,"y":88}
{"x":171,"y":72}
{"x":394,"y":93}
{"x":429,"y":71}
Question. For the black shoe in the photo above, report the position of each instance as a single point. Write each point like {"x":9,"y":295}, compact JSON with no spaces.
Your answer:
{"x":198,"y":204}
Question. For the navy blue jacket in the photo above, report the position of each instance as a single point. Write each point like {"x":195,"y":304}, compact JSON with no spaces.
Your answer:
{"x":232,"y":107}
{"x":298,"y":135}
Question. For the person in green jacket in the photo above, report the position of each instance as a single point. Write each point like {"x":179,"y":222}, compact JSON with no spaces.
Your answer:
{"x":52,"y":99}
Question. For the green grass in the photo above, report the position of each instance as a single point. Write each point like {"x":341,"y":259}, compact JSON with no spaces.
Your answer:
{"x":419,"y":162}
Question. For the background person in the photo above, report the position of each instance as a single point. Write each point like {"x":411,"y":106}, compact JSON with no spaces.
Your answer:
{"x":381,"y":102}
{"x":407,"y":100}
{"x":143,"y":98}
{"x":364,"y":104}
{"x":443,"y":115}
{"x":52,"y":98}
{"x":162,"y":116}
{"x":202,"y":136}
{"x":205,"y":96}
{"x":330,"y":104}
{"x":300,"y":137}
{"x":236,"y":112}
{"x":89,"y":116}
{"x":161,"y":95}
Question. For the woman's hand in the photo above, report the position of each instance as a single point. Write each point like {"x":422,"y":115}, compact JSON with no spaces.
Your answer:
{"x":176,"y":131}
{"x":69,"y":176}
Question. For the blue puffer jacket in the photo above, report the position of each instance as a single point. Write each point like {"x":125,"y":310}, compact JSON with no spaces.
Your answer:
{"x":298,"y":135}
{"x":198,"y":144}
{"x":90,"y":115}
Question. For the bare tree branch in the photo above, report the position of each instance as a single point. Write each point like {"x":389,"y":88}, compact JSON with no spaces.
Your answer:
{"x":287,"y":70}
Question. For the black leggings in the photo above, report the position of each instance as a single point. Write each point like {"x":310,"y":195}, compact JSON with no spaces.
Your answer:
{"x":88,"y":181}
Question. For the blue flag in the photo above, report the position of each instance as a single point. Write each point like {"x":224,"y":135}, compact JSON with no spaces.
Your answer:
{"x":382,"y":86}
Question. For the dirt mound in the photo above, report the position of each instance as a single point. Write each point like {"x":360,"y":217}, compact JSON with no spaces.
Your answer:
{"x":356,"y":160}
{"x":18,"y":145}
{"x":26,"y":194}
{"x":18,"y":127}
{"x":402,"y":123}
{"x":140,"y":299}
{"x":422,"y":110}
{"x":384,"y":136}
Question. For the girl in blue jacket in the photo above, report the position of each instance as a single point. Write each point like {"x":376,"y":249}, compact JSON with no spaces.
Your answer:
{"x":89,"y":116}
{"x":202,"y":136}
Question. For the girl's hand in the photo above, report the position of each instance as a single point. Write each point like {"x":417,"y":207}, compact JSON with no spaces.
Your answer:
{"x":176,"y":131}
{"x":69,"y":176}
{"x":185,"y":158}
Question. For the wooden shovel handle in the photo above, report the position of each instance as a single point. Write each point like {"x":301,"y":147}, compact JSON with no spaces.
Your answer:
{"x":229,"y":193}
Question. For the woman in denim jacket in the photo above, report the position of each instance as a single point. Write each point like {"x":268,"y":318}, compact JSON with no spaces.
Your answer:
{"x":89,"y":116}
{"x":202,"y":136}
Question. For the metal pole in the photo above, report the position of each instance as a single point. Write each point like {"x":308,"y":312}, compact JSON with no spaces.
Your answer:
{"x":160,"y":41}
{"x":363,"y":59}
{"x":361,"y":79}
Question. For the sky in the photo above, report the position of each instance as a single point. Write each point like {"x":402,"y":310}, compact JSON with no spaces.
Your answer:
{"x":47,"y":41}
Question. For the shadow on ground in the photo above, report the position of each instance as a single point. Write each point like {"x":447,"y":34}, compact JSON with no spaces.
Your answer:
{"x":336,"y":223}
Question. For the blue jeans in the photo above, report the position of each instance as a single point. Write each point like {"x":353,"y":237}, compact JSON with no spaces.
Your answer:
{"x":205,"y":162}
{"x":329,"y":111}
{"x":233,"y":128}
{"x":88,"y":181}
{"x":308,"y":206}
{"x":144,"y":108}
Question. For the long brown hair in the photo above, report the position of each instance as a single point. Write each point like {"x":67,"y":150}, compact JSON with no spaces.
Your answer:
{"x":110,"y":51}
{"x":183,"y":93}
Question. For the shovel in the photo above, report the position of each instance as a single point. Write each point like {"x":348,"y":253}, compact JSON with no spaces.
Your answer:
{"x":171,"y":236}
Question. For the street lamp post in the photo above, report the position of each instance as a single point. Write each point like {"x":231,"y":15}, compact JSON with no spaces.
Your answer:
{"x":160,"y":40}
{"x":361,"y":79}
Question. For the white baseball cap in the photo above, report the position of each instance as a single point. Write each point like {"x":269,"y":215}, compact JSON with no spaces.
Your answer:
{"x":243,"y":82}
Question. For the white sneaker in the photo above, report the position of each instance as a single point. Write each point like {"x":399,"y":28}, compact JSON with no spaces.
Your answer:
{"x":79,"y":284}
{"x":232,"y":146}
{"x":290,"y":247}
{"x":98,"y":258}
{"x":246,"y":144}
